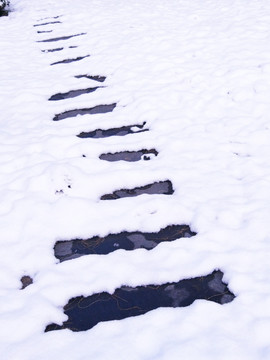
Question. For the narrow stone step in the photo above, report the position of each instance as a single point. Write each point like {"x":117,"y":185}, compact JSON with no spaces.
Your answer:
{"x":92,"y":77}
{"x":70,"y":249}
{"x":68,"y":61}
{"x":99,"y":109}
{"x":122,"y":131}
{"x":161,"y":187}
{"x":129,"y":155}
{"x":50,"y":17}
{"x":86,"y":312}
{"x":48,"y":23}
{"x":52,"y":50}
{"x":73,"y":93}
{"x":44,"y":31}
{"x":61,"y":38}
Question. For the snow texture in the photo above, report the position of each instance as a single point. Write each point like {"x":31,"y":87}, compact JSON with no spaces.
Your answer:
{"x":197,"y":73}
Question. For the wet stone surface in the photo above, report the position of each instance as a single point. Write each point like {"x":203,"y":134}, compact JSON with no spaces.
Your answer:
{"x":61,"y":38}
{"x":122,"y":131}
{"x":52,"y":50}
{"x":85,"y":312}
{"x":92,"y":77}
{"x":68,"y":61}
{"x":26,"y":281}
{"x":71,"y":249}
{"x":99,"y":109}
{"x":48,"y":23}
{"x":129,"y":155}
{"x":161,"y":187}
{"x":73,"y":93}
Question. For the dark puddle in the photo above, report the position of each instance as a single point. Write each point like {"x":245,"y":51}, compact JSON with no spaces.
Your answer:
{"x":61,"y":38}
{"x":86,"y":312}
{"x":26,"y":281}
{"x":72,"y":249}
{"x":47,"y":23}
{"x":162,"y":187}
{"x":67,"y":61}
{"x":52,"y":50}
{"x":44,"y":31}
{"x":73,"y":93}
{"x":92,"y":77}
{"x":122,"y":131}
{"x":129,"y":155}
{"x":99,"y":109}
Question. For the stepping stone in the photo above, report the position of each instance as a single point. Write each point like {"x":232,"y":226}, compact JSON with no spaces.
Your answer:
{"x":73,"y":93}
{"x":99,"y":109}
{"x":122,"y":131}
{"x":129,"y":155}
{"x":67,"y":61}
{"x":86,"y":312}
{"x":61,"y":38}
{"x":71,"y":249}
{"x":161,"y":187}
{"x":52,"y":50}
{"x":92,"y":77}
{"x":51,"y":17}
{"x":47,"y":23}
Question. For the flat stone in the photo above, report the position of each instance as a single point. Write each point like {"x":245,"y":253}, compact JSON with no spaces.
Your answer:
{"x":86,"y":312}
{"x":70,"y":249}
{"x":99,"y":109}
{"x":161,"y":187}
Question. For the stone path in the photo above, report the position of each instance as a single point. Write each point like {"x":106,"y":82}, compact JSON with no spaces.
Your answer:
{"x":86,"y":312}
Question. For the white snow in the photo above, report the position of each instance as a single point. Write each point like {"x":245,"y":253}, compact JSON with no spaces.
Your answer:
{"x":198,"y":73}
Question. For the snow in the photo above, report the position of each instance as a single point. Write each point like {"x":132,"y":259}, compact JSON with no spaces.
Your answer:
{"x":198,"y":73}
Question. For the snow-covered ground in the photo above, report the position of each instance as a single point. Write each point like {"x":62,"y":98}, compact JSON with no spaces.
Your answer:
{"x":198,"y":73}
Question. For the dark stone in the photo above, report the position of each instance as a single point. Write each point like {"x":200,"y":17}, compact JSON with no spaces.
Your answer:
{"x":129,"y":155}
{"x":92,"y":77}
{"x":71,"y":249}
{"x":61,"y":38}
{"x":26,"y":281}
{"x":122,"y":131}
{"x":52,"y":50}
{"x":47,"y":23}
{"x":73,"y":93}
{"x":67,"y":61}
{"x":161,"y":187}
{"x":86,"y":312}
{"x":99,"y":109}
